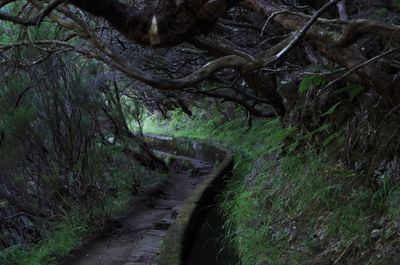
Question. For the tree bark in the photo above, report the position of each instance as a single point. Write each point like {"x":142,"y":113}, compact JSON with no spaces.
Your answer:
{"x":167,"y":24}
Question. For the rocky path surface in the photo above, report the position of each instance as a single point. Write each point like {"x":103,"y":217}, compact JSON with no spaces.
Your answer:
{"x":135,"y":237}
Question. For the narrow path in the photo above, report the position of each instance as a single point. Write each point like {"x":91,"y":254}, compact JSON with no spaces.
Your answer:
{"x":135,"y":237}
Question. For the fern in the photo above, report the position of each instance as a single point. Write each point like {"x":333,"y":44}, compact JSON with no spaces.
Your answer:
{"x":353,"y":90}
{"x":311,"y":82}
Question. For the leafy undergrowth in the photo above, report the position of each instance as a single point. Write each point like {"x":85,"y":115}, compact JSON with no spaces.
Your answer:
{"x":66,"y":235}
{"x":80,"y":222}
{"x":291,"y":204}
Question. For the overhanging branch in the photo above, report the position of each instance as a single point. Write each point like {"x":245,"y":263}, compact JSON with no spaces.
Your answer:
{"x":34,"y":21}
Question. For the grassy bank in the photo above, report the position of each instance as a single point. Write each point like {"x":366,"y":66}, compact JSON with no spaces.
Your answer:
{"x":66,"y":234}
{"x":289,"y":202}
{"x":80,"y":221}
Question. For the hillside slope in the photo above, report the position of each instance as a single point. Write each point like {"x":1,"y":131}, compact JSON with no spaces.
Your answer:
{"x":290,"y":202}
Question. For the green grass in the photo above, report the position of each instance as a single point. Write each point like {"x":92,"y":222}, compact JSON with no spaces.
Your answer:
{"x":82,"y":221}
{"x":67,"y":234}
{"x":63,"y":238}
{"x":289,"y":203}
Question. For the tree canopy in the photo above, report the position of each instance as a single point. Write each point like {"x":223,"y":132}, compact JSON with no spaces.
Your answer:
{"x":75,"y":73}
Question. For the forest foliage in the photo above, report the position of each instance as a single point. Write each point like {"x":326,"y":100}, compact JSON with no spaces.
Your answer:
{"x":66,"y":167}
{"x":316,"y":81}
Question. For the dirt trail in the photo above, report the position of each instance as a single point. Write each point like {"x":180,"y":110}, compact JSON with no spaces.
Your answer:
{"x":135,"y":237}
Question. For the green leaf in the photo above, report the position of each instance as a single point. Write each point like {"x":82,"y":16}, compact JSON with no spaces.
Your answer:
{"x":353,"y":90}
{"x":331,"y":110}
{"x":311,"y":82}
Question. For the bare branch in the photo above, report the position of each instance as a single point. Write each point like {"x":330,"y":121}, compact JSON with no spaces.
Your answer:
{"x":329,"y":42}
{"x":359,"y":67}
{"x":253,"y":111}
{"x":359,"y":27}
{"x":124,"y":66}
{"x":300,"y":34}
{"x":34,"y":21}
